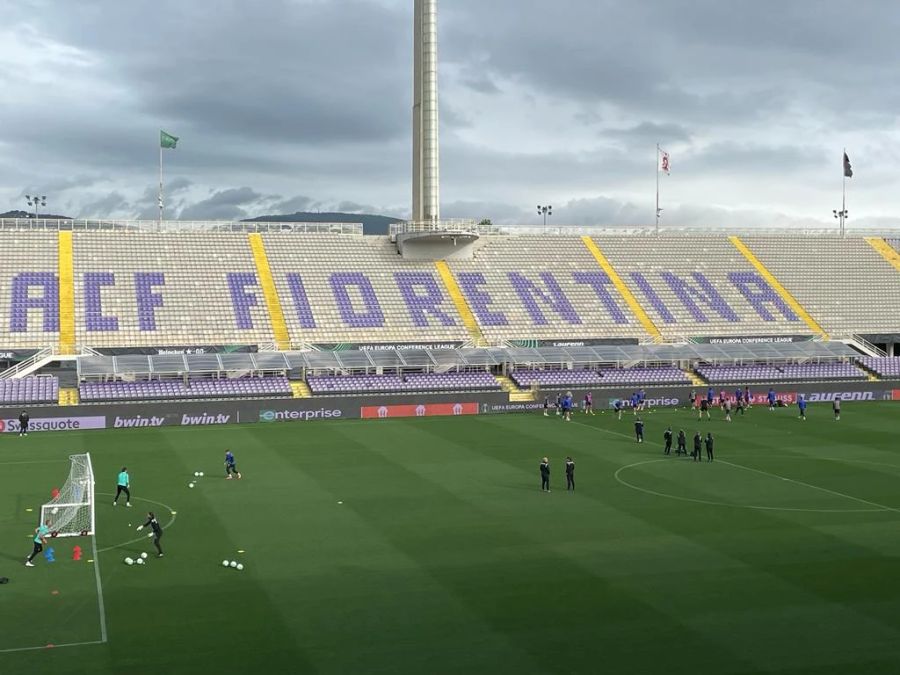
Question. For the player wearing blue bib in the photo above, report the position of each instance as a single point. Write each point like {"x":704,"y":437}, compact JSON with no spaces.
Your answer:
{"x":801,"y":404}
{"x":771,"y":397}
{"x":40,"y":538}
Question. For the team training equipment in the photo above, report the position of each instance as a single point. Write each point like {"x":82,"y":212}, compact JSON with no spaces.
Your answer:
{"x":139,"y":561}
{"x":240,"y":566}
{"x":224,"y":563}
{"x":233,"y":563}
{"x":129,"y":561}
{"x":144,"y":555}
{"x":190,"y":485}
{"x":71,"y":512}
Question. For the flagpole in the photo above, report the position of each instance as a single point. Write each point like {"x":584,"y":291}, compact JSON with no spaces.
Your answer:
{"x":657,"y":189}
{"x":843,"y":192}
{"x":159,"y":222}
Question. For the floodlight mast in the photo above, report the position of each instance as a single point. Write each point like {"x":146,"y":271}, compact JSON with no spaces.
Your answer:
{"x":426,"y":205}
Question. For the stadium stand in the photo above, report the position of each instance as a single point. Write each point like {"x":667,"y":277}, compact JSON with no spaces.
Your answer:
{"x":29,"y":390}
{"x":139,"y":288}
{"x":841,"y":281}
{"x":603,"y":378}
{"x":413,"y":382}
{"x":882,"y":366}
{"x":895,"y":243}
{"x":206,"y":388}
{"x":340,"y":289}
{"x":693,"y":286}
{"x":809,"y":372}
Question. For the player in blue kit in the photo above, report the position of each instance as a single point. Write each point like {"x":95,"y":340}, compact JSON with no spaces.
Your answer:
{"x":231,"y":466}
{"x":771,"y":398}
{"x":801,"y":404}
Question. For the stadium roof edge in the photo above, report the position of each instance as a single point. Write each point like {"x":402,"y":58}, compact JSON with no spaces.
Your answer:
{"x":55,"y":224}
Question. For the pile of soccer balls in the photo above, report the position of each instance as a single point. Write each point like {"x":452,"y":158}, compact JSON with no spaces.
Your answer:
{"x":139,"y":561}
{"x":197,"y":474}
{"x":233,"y":564}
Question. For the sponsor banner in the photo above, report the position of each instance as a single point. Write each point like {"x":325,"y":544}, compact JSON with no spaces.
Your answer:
{"x":895,"y":395}
{"x":595,"y":342}
{"x":178,"y":350}
{"x":420,"y":410}
{"x":750,"y":339}
{"x":649,"y":402}
{"x":16,"y":355}
{"x":518,"y":406}
{"x":828,"y":396}
{"x":288,"y":415}
{"x":54,"y":424}
{"x":786,"y":397}
{"x":386,"y":346}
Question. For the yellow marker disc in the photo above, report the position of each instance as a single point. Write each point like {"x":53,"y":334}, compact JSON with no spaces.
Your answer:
{"x":174,"y":512}
{"x":240,"y":550}
{"x":91,"y":560}
{"x":29,"y":510}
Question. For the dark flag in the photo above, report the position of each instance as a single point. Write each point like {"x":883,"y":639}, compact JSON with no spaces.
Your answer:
{"x":848,"y":170}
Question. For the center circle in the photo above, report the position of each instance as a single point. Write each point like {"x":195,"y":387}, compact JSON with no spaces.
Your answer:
{"x":710,"y":502}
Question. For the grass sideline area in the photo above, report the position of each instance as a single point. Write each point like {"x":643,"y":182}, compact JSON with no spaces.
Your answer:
{"x":426,"y":546}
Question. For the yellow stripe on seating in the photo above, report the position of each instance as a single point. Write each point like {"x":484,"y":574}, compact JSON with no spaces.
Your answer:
{"x":270,"y":293}
{"x":887,"y":251}
{"x":459,"y":300}
{"x":623,"y":289}
{"x":781,"y":290}
{"x":66,"y":272}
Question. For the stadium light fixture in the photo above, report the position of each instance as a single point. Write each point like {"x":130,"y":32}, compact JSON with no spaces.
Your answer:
{"x":36,"y":202}
{"x":841,"y":216}
{"x":545,"y":211}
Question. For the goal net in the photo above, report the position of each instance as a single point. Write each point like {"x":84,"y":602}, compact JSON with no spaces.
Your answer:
{"x":71,"y":512}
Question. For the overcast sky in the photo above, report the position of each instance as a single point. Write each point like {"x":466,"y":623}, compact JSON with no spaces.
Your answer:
{"x":287,"y":105}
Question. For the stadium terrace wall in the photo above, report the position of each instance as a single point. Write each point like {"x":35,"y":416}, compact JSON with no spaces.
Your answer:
{"x":217,"y":413}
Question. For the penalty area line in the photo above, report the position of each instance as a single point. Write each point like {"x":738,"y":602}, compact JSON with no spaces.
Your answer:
{"x":43,"y":647}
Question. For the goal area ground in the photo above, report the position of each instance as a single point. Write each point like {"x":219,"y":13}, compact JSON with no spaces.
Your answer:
{"x":426,"y":546}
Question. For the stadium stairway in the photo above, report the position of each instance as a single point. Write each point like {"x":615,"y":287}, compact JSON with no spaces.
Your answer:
{"x":68,"y":396}
{"x":695,"y":379}
{"x":515,"y":394}
{"x":459,"y":301}
{"x":623,"y":289}
{"x":781,"y":290}
{"x":300,"y":389}
{"x":886,"y":250}
{"x":267,"y":283}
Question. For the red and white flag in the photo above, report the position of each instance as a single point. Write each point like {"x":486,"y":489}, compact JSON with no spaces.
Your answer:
{"x":664,"y":161}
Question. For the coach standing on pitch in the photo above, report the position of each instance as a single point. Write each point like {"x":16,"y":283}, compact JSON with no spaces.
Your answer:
{"x":545,"y":475}
{"x":24,"y":419}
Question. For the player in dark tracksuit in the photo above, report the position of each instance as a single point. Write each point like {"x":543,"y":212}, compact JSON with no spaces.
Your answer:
{"x":639,"y":430}
{"x":545,"y":475}
{"x":682,"y":443}
{"x":570,"y":474}
{"x":698,"y":448}
{"x":153,"y":523}
{"x":24,"y":419}
{"x":668,"y":438}
{"x":709,"y":447}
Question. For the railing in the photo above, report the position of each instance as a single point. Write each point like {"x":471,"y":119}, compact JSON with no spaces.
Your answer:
{"x":22,"y":366}
{"x":862,"y":344}
{"x":55,"y":224}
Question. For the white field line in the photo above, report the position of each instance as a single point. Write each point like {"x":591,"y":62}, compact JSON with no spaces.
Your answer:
{"x":47,"y":647}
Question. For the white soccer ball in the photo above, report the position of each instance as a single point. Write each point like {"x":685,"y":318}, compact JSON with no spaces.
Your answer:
{"x":144,"y":555}
{"x":129,"y":561}
{"x":240,"y":566}
{"x":196,"y":474}
{"x":139,"y":561}
{"x":190,"y":485}
{"x":201,"y":474}
{"x":233,"y":563}
{"x":224,"y":563}
{"x":54,"y":511}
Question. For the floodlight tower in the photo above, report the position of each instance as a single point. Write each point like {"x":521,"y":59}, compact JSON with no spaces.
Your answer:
{"x":426,"y":149}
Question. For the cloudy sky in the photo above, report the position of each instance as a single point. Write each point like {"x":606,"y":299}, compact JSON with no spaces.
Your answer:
{"x":287,"y":105}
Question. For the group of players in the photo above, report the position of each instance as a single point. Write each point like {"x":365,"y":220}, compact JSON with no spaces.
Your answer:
{"x":123,"y":486}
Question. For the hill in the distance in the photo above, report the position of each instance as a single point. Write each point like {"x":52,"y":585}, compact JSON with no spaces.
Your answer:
{"x":29,"y":214}
{"x":371,"y":224}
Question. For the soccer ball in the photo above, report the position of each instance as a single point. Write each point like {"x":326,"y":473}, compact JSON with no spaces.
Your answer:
{"x":129,"y":561}
{"x":196,"y":474}
{"x":224,"y":563}
{"x":201,"y":474}
{"x":240,"y":566}
{"x":190,"y":485}
{"x":233,"y":563}
{"x":144,"y":555}
{"x":54,"y":511}
{"x":139,"y":561}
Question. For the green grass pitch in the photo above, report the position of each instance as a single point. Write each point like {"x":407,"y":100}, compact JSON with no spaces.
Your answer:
{"x":782,"y":556}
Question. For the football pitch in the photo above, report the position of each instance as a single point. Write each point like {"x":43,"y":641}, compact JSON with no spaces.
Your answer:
{"x":426,"y":546}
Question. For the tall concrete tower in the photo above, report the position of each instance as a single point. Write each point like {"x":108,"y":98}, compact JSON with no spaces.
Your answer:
{"x":426,"y":146}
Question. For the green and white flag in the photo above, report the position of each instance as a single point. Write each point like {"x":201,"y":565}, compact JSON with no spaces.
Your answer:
{"x":167,"y":140}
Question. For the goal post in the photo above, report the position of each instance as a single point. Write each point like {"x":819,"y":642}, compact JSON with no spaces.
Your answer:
{"x":71,"y":512}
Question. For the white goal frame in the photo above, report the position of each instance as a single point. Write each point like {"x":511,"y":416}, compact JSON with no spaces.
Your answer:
{"x":80,"y":482}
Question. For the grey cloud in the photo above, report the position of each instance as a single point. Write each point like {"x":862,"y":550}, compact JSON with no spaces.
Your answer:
{"x":228,"y":204}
